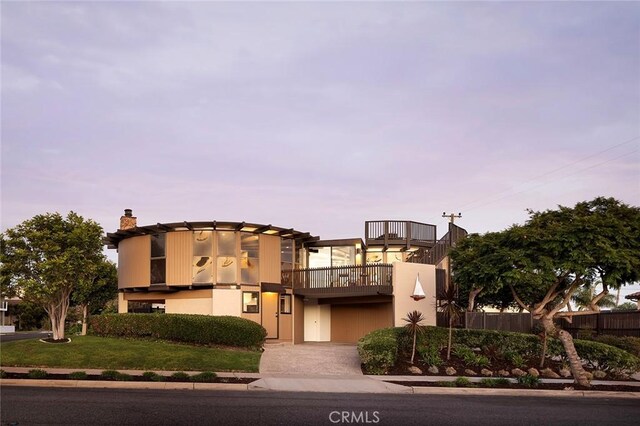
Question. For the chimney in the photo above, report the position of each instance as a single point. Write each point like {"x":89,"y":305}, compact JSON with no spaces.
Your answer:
{"x":128,"y":221}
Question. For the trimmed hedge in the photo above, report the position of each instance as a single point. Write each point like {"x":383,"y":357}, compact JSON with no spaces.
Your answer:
{"x":379,"y":350}
{"x":626,"y":343}
{"x":198,"y":329}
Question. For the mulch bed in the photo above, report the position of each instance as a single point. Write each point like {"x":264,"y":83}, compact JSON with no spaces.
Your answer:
{"x":135,"y":378}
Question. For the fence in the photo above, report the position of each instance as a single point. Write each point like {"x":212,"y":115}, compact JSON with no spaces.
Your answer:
{"x":623,"y":323}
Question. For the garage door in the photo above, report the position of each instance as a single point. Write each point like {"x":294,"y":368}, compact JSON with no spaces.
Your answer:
{"x":350,"y":322}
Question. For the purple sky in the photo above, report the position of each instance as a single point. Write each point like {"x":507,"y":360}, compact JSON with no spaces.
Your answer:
{"x":318,"y":116}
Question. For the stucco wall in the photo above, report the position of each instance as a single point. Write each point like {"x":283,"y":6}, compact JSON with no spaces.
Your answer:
{"x":227,"y":302}
{"x":404,"y":280}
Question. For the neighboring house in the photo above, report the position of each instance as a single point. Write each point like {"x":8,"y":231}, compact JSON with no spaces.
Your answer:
{"x":635,"y":297}
{"x":300,"y":288}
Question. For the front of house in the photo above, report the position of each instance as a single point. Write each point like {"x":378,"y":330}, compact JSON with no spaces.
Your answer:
{"x":298,"y":287}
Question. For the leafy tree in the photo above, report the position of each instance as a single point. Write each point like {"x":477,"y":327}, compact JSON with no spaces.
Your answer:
{"x":414,"y":326}
{"x":626,"y":306}
{"x":44,"y":259}
{"x":95,"y":288}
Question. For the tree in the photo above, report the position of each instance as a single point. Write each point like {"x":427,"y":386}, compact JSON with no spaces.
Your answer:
{"x":414,"y":326}
{"x":46,"y":257}
{"x":449,"y":306}
{"x":626,"y":306}
{"x":95,"y":288}
{"x":583,"y":297}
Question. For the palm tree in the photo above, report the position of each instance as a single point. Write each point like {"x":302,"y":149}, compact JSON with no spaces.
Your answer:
{"x":583,"y":297}
{"x":414,"y":327}
{"x":449,"y":306}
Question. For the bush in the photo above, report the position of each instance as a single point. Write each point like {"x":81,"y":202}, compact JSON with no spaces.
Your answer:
{"x":463,"y":382}
{"x":529,"y":381}
{"x":3,"y":374}
{"x":430,"y":356}
{"x":379,"y":350}
{"x":37,"y":374}
{"x":153,"y":376}
{"x":198,"y":329}
{"x":626,"y":343}
{"x":180,"y":376}
{"x":205,"y":376}
{"x":605,"y":357}
{"x":78,"y":375}
{"x":116,"y":375}
{"x":470,"y":357}
{"x":494,"y":382}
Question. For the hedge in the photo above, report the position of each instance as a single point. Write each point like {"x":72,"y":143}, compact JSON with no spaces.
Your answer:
{"x":379,"y":350}
{"x":198,"y":329}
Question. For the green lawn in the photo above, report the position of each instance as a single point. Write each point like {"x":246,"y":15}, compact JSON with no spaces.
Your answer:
{"x":113,"y":353}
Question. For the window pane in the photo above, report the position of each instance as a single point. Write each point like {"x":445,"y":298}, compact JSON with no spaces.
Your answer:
{"x":202,"y":243}
{"x":202,"y":269}
{"x":226,"y":244}
{"x":249,"y":271}
{"x":250,"y":302}
{"x":286,"y":252}
{"x":157,"y":245}
{"x":342,"y":256}
{"x":249,"y":244}
{"x":227,"y":270}
{"x":321,"y":258}
{"x":158,"y":270}
{"x":285,"y":303}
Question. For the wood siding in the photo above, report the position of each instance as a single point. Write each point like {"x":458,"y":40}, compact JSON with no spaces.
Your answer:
{"x":179,"y":252}
{"x":134,"y":262}
{"x":270,"y":267}
{"x":298,"y":320}
{"x":351,"y":322}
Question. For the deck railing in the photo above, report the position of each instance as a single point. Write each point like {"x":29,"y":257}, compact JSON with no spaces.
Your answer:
{"x":340,"y":280}
{"x":439,"y":251}
{"x":399,"y":232}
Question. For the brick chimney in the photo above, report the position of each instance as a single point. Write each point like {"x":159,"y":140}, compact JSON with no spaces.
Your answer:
{"x":128,"y":221}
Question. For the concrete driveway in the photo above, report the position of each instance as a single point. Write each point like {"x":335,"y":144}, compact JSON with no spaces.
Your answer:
{"x":330,"y":359}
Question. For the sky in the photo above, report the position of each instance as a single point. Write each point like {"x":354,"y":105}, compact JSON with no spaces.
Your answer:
{"x":317,"y":116}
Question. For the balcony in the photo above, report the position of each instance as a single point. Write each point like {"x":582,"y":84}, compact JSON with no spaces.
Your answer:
{"x":407,"y":234}
{"x":341,"y":281}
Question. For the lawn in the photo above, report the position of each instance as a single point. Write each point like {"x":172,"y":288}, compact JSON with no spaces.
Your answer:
{"x":114,"y":353}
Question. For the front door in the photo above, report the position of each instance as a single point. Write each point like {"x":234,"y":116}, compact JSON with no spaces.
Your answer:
{"x":270,"y":314}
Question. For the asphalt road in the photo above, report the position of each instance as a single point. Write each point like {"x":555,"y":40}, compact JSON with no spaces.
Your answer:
{"x":9,"y":337}
{"x":29,"y":406}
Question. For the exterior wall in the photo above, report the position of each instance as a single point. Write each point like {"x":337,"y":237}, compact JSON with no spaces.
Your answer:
{"x":351,"y":322}
{"x":404,"y":281}
{"x":298,"y":320}
{"x":122,"y":304}
{"x":134,"y":255}
{"x":227,"y":302}
{"x":270,"y":259}
{"x":179,"y":255}
{"x":188,"y":306}
{"x":286,"y":323}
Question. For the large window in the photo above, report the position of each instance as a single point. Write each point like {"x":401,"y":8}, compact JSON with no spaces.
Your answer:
{"x":324,"y":257}
{"x":250,"y":302}
{"x":158,"y":259}
{"x":202,"y":257}
{"x":249,"y":260}
{"x":226,"y":264}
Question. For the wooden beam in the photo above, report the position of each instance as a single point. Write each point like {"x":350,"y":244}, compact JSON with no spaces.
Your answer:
{"x":239,"y":226}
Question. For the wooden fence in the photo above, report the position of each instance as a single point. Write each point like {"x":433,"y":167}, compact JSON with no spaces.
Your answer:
{"x":622,"y":323}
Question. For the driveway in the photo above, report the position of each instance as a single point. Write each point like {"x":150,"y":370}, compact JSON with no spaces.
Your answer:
{"x":23,"y":335}
{"x":331,"y":359}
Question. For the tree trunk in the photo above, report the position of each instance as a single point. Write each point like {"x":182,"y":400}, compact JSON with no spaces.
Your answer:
{"x":579,"y":375}
{"x":58,"y":314}
{"x":544,"y":349}
{"x":472,"y":299}
{"x":450,"y":332}
{"x":85,"y":314}
{"x":413,"y":351}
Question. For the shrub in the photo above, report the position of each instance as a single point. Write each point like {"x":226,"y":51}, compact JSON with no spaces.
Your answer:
{"x":198,"y":329}
{"x":463,"y":382}
{"x":3,"y":374}
{"x":494,"y":382}
{"x":515,"y":359}
{"x":529,"y":381}
{"x":205,"y":376}
{"x":626,"y":343}
{"x":180,"y":376}
{"x":78,"y":375}
{"x":37,"y":374}
{"x":430,"y":356}
{"x":470,"y":357}
{"x":605,"y":357}
{"x":379,"y":350}
{"x":109,"y":374}
{"x":153,"y":376}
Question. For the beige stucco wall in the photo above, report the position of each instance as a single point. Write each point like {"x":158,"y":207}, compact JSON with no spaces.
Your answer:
{"x":404,"y":281}
{"x":123,"y":306}
{"x":188,"y":306}
{"x":227,"y":302}
{"x":134,"y":257}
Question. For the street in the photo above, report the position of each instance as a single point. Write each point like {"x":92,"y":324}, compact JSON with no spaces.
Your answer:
{"x":24,"y":335}
{"x":27,"y":406}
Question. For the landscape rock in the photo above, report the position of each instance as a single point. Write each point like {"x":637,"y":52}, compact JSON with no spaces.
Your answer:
{"x":469,"y":372}
{"x":549,"y":374}
{"x":622,"y":376}
{"x":565,"y":372}
{"x":533,"y":372}
{"x":517,"y":372}
{"x":503,"y":373}
{"x":599,"y":374}
{"x":569,"y":388}
{"x":485,"y":372}
{"x":433,"y":369}
{"x":414,"y":370}
{"x":450,"y":371}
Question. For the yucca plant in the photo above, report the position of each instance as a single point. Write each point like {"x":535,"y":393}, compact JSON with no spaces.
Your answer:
{"x":414,"y":327}
{"x":449,"y":305}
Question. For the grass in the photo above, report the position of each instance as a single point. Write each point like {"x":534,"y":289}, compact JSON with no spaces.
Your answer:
{"x":108,"y":353}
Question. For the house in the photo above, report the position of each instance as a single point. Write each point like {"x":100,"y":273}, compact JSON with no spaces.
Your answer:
{"x":299,"y":287}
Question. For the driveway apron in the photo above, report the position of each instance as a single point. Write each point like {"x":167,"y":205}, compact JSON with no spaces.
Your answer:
{"x":331,"y":359}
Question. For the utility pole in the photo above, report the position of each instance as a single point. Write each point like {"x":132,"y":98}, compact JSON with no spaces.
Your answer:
{"x":452,"y":218}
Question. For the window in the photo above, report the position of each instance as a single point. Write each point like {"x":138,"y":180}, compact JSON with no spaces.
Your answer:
{"x":226,"y":263}
{"x":158,"y":259}
{"x":325,"y":257}
{"x":202,"y":271}
{"x":285,"y":303}
{"x":249,"y":262}
{"x":250,"y":302}
{"x":146,"y":307}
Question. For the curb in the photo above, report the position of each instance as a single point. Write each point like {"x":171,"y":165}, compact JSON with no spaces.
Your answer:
{"x":122,"y":385}
{"x":524,"y":392}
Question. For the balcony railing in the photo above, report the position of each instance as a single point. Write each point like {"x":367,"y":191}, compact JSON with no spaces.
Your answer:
{"x":440,"y":249}
{"x":399,"y":233}
{"x":340,"y":281}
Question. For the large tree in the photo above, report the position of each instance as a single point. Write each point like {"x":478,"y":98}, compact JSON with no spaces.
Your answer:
{"x":44,"y":259}
{"x":556,"y":256}
{"x":95,"y":288}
